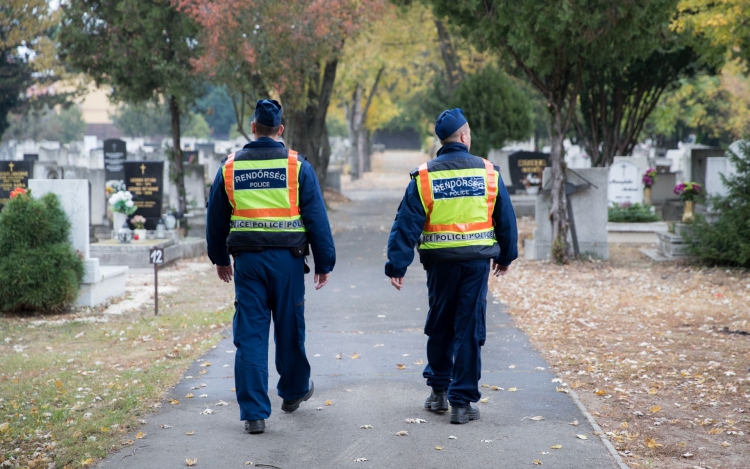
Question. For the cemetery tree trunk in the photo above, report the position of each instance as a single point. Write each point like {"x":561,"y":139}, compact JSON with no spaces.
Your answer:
{"x":178,"y":172}
{"x":356,"y":119}
{"x":453,"y":69}
{"x":307,"y":126}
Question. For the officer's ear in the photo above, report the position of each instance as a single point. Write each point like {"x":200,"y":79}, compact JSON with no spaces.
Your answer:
{"x":252,"y":127}
{"x":281,"y":130}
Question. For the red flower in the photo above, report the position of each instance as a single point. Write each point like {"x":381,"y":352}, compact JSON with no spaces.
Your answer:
{"x":17,"y":191}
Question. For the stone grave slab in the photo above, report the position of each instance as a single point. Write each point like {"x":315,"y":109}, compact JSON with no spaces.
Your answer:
{"x":624,"y":183}
{"x":14,"y":174}
{"x":115,"y":152}
{"x":145,"y":180}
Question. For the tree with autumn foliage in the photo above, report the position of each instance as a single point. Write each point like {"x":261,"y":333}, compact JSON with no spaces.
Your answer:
{"x":143,"y":50}
{"x":286,"y":50}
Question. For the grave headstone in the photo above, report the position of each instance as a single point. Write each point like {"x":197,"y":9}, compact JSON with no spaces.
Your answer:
{"x":145,"y":180}
{"x":715,"y":167}
{"x":14,"y":174}
{"x":624,"y":183}
{"x":523,"y":163}
{"x":114,"y":159}
{"x":31,"y":156}
{"x":190,"y":156}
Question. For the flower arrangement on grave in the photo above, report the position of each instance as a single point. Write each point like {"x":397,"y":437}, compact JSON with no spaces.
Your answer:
{"x":113,"y":186}
{"x":688,"y":191}
{"x":18,"y":191}
{"x":649,"y":177}
{"x":138,"y":221}
{"x":532,"y":180}
{"x":122,"y":202}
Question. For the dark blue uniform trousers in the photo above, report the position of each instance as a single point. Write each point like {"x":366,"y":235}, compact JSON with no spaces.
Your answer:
{"x":456,"y":328}
{"x":269,"y":284}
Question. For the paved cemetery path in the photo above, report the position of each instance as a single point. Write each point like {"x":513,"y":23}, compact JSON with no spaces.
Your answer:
{"x":359,"y":312}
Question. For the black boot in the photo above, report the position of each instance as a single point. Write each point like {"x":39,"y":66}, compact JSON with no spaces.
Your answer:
{"x":255,"y":426}
{"x":464,"y":414}
{"x":437,"y":401}
{"x":292,"y":405}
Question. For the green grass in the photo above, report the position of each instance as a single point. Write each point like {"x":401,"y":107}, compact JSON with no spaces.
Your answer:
{"x":77,"y":388}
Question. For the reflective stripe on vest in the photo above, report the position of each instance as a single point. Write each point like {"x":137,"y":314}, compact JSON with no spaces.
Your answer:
{"x":458,"y":206}
{"x":253,"y":188}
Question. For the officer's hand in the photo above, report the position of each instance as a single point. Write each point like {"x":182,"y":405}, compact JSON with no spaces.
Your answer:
{"x":500,"y":270}
{"x":321,"y":280}
{"x":397,"y":282}
{"x":224,"y":272}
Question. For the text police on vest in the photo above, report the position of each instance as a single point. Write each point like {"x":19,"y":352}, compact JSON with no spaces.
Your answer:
{"x":265,"y":177}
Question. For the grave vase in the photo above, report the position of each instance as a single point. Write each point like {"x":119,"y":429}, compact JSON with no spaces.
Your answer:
{"x":687,"y":215}
{"x":118,"y":220}
{"x":646,"y":196}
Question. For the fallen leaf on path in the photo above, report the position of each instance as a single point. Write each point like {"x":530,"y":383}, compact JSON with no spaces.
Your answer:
{"x":496,"y":388}
{"x":417,"y":421}
{"x":366,"y":426}
{"x":318,"y":408}
{"x":556,"y":447}
{"x":688,"y":455}
{"x":537,"y":418}
{"x":361,"y":460}
{"x":402,"y":433}
{"x":174,"y":401}
{"x":328,"y":402}
{"x":726,"y":444}
{"x":485,"y":385}
{"x":655,"y":409}
{"x":379,"y":345}
{"x":189,"y":433}
{"x":484,"y":400}
{"x":165,"y":426}
{"x":512,"y":366}
{"x":512,"y":389}
{"x":191,"y":462}
{"x":400,"y":366}
{"x":453,"y":437}
{"x":536,"y":462}
{"x":233,"y":390}
{"x":439,"y":448}
{"x":574,"y":423}
{"x":203,"y":396}
{"x":202,"y":372}
{"x":338,"y":356}
{"x":207,"y":412}
{"x":140,"y":436}
{"x":715,"y":431}
{"x":249,"y":463}
{"x":221,"y":404}
{"x":355,"y":356}
{"x":405,"y":355}
{"x":582,"y":437}
{"x":486,"y":441}
{"x":205,"y":364}
{"x":651,"y":443}
{"x":561,"y":390}
{"x":190,"y":395}
{"x":652,"y":391}
{"x":419,"y":362}
{"x":600,"y":392}
{"x":87,"y":462}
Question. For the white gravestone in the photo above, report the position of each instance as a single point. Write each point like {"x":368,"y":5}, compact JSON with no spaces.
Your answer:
{"x":624,"y":184}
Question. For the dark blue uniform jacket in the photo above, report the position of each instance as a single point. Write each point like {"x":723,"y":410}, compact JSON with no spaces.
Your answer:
{"x":312,"y":210}
{"x":411,"y":217}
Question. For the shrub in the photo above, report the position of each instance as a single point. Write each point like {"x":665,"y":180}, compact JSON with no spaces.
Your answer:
{"x":631,"y":213}
{"x":39,"y":270}
{"x":727,"y":242}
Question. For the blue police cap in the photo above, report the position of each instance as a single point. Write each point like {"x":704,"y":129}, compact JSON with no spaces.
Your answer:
{"x":268,"y":112}
{"x":448,"y":122}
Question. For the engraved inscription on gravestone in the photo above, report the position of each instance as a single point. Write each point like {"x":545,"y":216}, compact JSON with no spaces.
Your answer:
{"x":523,"y":163}
{"x":624,"y":184}
{"x":114,"y":158}
{"x":145,"y":180}
{"x":14,"y":174}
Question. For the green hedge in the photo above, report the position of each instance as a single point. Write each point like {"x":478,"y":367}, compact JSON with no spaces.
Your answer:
{"x":39,"y":270}
{"x":631,"y":213}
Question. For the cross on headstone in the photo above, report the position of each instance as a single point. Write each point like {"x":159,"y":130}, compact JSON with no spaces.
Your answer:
{"x":143,"y":169}
{"x":10,"y":165}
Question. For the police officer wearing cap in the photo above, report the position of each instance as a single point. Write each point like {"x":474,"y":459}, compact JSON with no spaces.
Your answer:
{"x":457,"y":212}
{"x":264,"y":210}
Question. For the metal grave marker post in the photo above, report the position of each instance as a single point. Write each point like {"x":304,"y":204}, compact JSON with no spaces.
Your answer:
{"x":156,"y":257}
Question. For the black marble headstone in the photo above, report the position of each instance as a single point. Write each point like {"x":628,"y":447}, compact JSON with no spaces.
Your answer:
{"x":31,"y":156}
{"x":522,"y":163}
{"x":115,"y":153}
{"x":145,"y":180}
{"x":14,"y":174}
{"x":190,"y":157}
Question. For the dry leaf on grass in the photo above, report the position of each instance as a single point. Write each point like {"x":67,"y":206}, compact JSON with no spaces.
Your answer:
{"x":87,"y":462}
{"x":651,"y":443}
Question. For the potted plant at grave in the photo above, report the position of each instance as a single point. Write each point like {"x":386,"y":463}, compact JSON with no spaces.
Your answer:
{"x":532,"y":183}
{"x":649,"y":178}
{"x":688,"y":192}
{"x":139,"y":233}
{"x":122,"y":205}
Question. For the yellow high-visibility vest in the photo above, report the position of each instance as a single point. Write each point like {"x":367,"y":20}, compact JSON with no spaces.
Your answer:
{"x":458,"y":204}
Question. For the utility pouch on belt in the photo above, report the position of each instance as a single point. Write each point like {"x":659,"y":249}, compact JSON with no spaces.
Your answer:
{"x":300,"y":251}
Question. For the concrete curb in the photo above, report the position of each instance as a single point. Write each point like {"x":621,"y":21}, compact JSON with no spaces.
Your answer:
{"x":598,"y":429}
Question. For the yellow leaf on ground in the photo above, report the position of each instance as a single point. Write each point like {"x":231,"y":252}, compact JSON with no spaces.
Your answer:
{"x":484,"y":400}
{"x":202,"y":372}
{"x":485,"y":385}
{"x":174,"y":401}
{"x":582,"y":437}
{"x":58,"y":384}
{"x":328,"y":402}
{"x":512,"y":389}
{"x":715,"y":431}
{"x":651,"y":443}
{"x":574,"y":423}
{"x":726,"y":444}
{"x":233,"y":390}
{"x":655,"y":409}
{"x":561,"y":390}
{"x":439,"y":448}
{"x":600,"y":392}
{"x":87,"y":462}
{"x":419,"y":362}
{"x":355,"y":356}
{"x":189,"y":433}
{"x":400,"y":366}
{"x":402,"y":433}
{"x":190,"y":395}
{"x":624,"y":425}
{"x":206,"y":364}
{"x":4,"y":427}
{"x":537,"y":418}
{"x":652,"y":391}
{"x":556,"y":447}
{"x":140,"y":436}
{"x":536,"y":462}
{"x":191,"y":462}
{"x":576,"y":385}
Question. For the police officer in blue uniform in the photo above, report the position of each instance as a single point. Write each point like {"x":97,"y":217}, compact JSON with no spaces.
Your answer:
{"x":265,"y":209}
{"x":457,"y":211}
